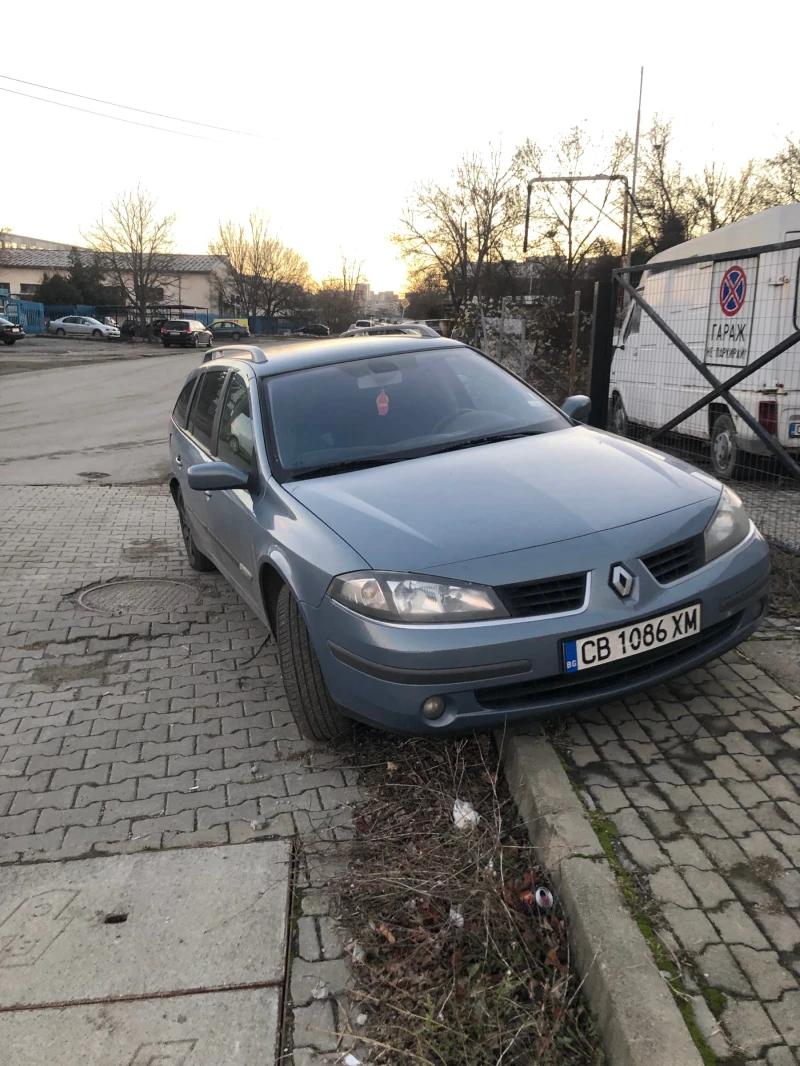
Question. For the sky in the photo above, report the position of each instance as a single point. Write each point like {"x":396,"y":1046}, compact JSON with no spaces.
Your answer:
{"x":344,"y":107}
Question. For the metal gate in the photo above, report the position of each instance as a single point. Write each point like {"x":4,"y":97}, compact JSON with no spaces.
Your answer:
{"x":700,"y":357}
{"x":25,"y":313}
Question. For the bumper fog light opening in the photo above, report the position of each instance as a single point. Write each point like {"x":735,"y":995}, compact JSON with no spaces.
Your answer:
{"x":433,"y":707}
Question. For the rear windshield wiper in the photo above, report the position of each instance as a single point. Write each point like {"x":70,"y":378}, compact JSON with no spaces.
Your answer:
{"x":341,"y":468}
{"x":492,"y":438}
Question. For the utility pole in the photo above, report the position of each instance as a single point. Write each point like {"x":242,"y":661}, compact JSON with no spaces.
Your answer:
{"x":635,"y":167}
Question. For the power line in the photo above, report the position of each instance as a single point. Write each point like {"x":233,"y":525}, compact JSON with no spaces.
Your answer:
{"x":126,"y":107}
{"x":114,"y":118}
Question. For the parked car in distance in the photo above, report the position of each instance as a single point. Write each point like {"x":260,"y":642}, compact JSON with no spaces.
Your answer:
{"x":317,"y":330}
{"x":400,"y":329}
{"x":131,"y":328}
{"x":82,"y":326}
{"x":10,"y":332}
{"x":228,"y":329}
{"x":361,"y":323}
{"x":186,"y":333}
{"x":438,"y":548}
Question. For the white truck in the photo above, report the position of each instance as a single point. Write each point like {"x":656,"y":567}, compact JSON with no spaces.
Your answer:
{"x":729,"y":297}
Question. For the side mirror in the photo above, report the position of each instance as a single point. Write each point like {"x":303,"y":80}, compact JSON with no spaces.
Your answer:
{"x":576,"y":407}
{"x":206,"y":477}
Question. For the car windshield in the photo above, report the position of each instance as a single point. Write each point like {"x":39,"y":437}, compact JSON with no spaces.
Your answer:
{"x":365,"y":412}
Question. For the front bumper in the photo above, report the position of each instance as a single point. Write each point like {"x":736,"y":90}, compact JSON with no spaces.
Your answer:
{"x":490,"y":672}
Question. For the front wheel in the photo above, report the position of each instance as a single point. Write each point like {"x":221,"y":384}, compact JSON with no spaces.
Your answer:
{"x":197,"y":560}
{"x":210,"y":341}
{"x":97,"y":334}
{"x":726,"y":454}
{"x":316,"y":714}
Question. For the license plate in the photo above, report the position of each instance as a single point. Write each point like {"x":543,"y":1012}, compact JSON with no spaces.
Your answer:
{"x":630,"y":641}
{"x":794,"y":429}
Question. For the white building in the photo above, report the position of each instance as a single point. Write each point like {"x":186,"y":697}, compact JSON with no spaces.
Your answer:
{"x":191,"y":281}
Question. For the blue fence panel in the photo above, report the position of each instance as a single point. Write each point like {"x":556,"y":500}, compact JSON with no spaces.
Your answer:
{"x":27,"y":314}
{"x":270,"y":326}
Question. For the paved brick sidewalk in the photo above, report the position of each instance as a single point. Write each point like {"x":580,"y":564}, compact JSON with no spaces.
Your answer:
{"x":129,"y":733}
{"x":701,"y":778}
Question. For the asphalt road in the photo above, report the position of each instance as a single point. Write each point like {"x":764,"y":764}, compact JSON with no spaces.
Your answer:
{"x":108,"y":417}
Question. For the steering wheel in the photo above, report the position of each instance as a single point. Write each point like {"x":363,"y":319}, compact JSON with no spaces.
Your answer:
{"x":444,"y":422}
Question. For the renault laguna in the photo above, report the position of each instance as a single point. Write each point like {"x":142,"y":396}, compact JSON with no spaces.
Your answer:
{"x":436,"y":547}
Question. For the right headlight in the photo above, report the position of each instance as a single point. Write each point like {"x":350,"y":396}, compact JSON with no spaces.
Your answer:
{"x":729,"y":525}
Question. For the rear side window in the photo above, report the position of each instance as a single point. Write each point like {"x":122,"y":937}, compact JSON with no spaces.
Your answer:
{"x":176,"y":325}
{"x":204,"y":410}
{"x":182,"y":406}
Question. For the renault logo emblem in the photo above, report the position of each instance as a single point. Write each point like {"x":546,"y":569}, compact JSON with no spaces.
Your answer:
{"x":621,"y":580}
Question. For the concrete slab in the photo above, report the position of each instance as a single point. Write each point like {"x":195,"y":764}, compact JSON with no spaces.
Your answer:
{"x":140,"y":925}
{"x":230,"y":1028}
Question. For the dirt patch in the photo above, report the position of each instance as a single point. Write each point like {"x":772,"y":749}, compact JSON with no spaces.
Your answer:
{"x":147,"y":548}
{"x":785,"y":582}
{"x":56,"y":674}
{"x":456,"y":961}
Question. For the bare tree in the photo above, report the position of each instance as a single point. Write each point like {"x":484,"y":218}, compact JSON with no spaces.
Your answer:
{"x":783,"y":174}
{"x":336,"y":298}
{"x":721,"y":198}
{"x":134,"y":245}
{"x":572,"y":222}
{"x":261,"y":273}
{"x":457,"y":229}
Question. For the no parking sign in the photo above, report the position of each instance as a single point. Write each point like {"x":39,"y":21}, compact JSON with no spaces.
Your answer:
{"x":730,"y":319}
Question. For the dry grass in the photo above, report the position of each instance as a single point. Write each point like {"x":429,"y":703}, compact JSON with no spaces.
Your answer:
{"x":460,"y":965}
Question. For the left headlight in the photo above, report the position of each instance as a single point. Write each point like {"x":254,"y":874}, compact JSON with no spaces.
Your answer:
{"x":415,"y":598}
{"x":729,"y":525}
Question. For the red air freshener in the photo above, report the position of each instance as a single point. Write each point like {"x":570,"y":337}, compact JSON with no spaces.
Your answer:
{"x":383,"y":403}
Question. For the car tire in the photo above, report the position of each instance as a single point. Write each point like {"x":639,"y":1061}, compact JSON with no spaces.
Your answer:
{"x":210,"y":341}
{"x":618,"y":417}
{"x":197,"y":560}
{"x":166,"y":344}
{"x":97,"y":333}
{"x":236,"y":336}
{"x":233,"y":444}
{"x":9,"y":340}
{"x":726,"y":453}
{"x":317,"y":716}
{"x":61,"y":333}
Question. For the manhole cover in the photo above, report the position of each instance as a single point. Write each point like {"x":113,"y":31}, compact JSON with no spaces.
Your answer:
{"x":139,"y":596}
{"x":93,"y":475}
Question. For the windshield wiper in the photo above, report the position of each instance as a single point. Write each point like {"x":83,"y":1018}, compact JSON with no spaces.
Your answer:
{"x":345,"y":465}
{"x":491,"y":438}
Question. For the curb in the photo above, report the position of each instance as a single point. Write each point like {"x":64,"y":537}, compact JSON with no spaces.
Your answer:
{"x":637,"y":1016}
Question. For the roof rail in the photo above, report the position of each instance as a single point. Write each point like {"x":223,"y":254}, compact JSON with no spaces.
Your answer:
{"x":237,"y":351}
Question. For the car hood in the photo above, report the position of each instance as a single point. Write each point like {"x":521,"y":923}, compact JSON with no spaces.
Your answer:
{"x":501,"y":497}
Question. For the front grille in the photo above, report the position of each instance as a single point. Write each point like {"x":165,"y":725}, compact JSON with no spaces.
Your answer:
{"x":677,"y":561}
{"x":599,"y":682}
{"x":553,"y":595}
